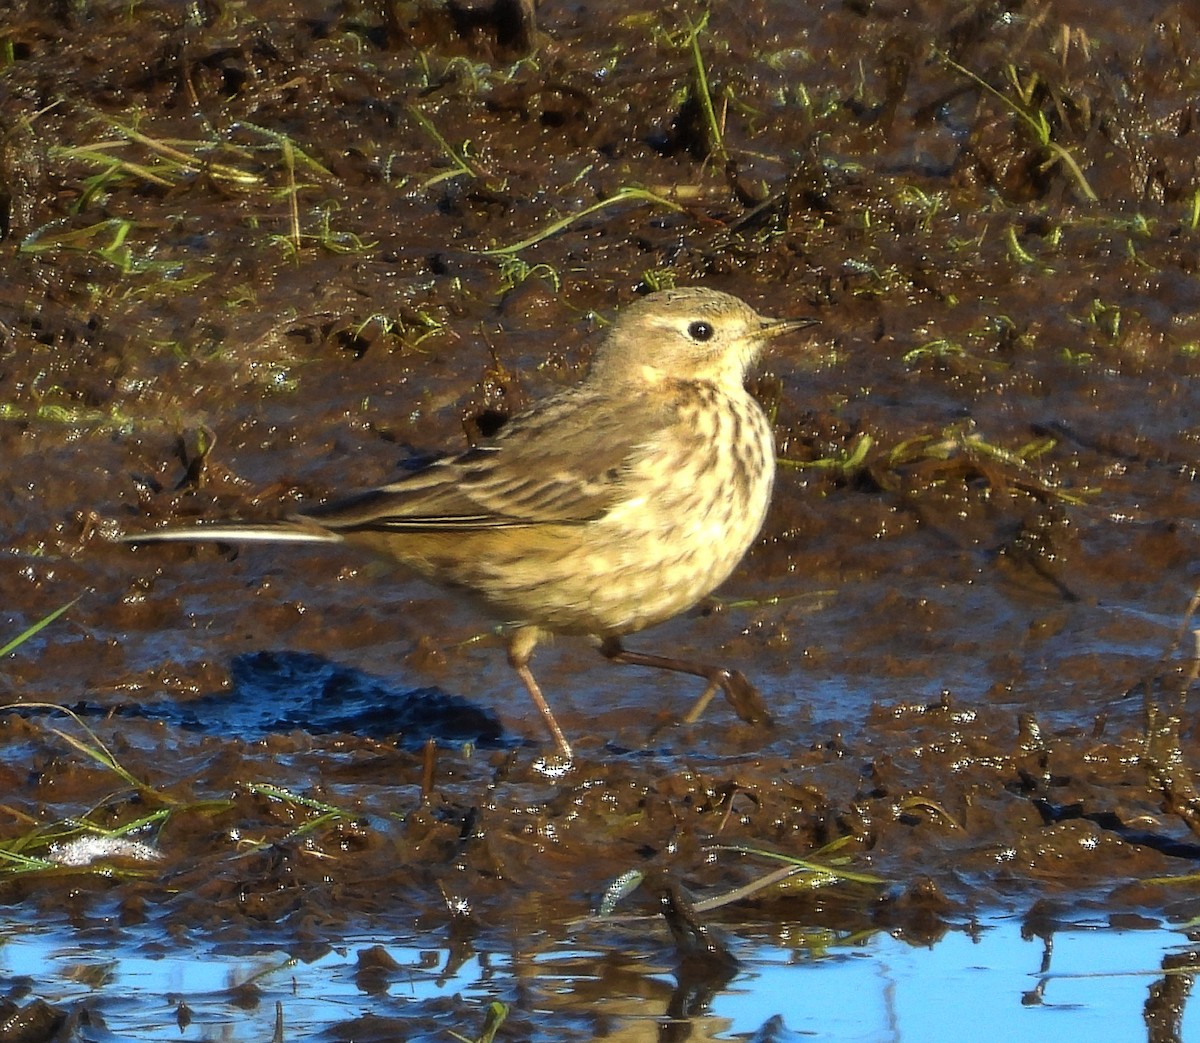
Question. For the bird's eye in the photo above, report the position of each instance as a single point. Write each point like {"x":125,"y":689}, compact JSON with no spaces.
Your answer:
{"x":700,"y":331}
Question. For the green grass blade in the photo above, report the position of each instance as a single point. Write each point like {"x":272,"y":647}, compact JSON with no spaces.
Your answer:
{"x":37,"y":627}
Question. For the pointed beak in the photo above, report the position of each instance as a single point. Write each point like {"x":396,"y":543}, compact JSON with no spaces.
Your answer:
{"x":772,"y":328}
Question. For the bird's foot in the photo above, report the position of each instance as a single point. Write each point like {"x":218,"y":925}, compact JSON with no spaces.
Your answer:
{"x":745,"y":699}
{"x":554,"y":765}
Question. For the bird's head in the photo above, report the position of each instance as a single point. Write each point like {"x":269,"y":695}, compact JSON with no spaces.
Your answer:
{"x":690,"y":333}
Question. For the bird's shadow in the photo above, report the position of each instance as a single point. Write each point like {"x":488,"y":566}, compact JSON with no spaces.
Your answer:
{"x":281,"y":691}
{"x":274,"y":692}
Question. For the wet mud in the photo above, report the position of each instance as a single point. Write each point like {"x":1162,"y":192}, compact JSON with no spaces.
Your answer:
{"x":254,"y":254}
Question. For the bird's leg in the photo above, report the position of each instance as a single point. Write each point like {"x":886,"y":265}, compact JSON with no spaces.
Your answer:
{"x":742,"y":695}
{"x":520,"y":650}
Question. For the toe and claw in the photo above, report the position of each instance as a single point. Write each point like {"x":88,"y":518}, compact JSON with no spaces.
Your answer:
{"x":745,"y":699}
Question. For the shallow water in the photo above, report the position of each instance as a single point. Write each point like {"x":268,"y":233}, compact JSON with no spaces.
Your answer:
{"x":985,"y":980}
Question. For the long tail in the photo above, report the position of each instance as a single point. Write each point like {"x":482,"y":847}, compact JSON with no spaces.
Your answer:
{"x":284,"y":531}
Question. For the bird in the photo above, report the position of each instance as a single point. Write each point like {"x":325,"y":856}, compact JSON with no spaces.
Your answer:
{"x":601,"y":510}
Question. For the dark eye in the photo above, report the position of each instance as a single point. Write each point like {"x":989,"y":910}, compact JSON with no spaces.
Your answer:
{"x":700,"y":331}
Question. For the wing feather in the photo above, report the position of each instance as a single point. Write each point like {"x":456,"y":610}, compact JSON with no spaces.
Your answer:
{"x":562,"y":462}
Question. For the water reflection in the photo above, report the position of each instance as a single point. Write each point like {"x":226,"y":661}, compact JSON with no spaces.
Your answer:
{"x":619,"y":982}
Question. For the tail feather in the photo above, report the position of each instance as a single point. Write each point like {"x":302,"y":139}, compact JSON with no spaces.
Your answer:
{"x":287,"y":531}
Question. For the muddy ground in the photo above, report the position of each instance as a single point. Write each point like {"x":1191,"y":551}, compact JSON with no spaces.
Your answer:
{"x":255,"y":253}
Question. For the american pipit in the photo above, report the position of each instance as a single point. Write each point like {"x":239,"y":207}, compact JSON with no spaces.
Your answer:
{"x":604,"y":509}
